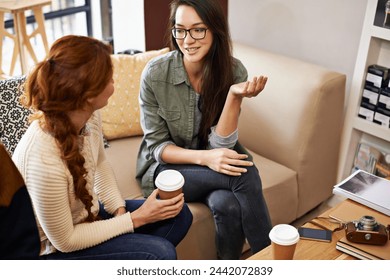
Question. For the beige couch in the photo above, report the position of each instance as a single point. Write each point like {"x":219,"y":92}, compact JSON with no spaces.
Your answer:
{"x":293,"y":130}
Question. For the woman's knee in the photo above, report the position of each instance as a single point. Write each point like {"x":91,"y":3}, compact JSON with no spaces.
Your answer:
{"x":150,"y":246}
{"x":250,"y":181}
{"x":223,"y":202}
{"x":253,"y":174}
{"x":167,"y":251}
{"x":160,"y":249}
{"x":186,"y":216}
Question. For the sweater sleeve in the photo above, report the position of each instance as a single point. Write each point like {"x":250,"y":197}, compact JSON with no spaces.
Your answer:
{"x":105,"y":184}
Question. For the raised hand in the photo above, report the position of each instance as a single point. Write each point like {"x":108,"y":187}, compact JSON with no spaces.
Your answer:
{"x":249,"y":88}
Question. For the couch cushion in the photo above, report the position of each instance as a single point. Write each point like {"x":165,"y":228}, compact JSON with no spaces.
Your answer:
{"x":13,"y":116}
{"x":121,"y":116}
{"x":280,"y":187}
{"x":122,"y":155}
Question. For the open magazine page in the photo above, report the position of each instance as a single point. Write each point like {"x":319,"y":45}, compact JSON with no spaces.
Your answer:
{"x":367,"y":189}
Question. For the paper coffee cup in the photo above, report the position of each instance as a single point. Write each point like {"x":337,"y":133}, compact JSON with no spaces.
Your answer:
{"x":170,"y":183}
{"x":284,"y":239}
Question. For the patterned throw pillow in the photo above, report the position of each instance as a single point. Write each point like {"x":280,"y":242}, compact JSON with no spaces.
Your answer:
{"x":121,"y":116}
{"x":13,"y":116}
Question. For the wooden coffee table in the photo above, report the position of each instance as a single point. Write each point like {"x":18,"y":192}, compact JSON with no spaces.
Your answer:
{"x":313,"y":250}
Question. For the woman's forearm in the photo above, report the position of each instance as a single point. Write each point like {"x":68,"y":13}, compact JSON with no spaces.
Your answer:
{"x":176,"y":155}
{"x":228,"y":121}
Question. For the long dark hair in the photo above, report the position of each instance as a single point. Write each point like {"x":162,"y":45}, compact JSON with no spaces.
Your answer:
{"x":77,"y":68}
{"x":217,"y":74}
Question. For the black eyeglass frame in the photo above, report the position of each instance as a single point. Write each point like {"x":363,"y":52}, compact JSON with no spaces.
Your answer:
{"x":189,"y":31}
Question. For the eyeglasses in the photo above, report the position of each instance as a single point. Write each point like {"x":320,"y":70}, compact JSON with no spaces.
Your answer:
{"x":195,"y":33}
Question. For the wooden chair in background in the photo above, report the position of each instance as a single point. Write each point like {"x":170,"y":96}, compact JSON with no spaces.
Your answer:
{"x":21,"y":38}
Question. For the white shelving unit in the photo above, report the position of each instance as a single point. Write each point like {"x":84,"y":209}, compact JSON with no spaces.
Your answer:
{"x":374,"y":48}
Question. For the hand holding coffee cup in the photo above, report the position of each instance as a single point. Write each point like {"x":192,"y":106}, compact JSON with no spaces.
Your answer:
{"x":284,"y":239}
{"x":169,"y":183}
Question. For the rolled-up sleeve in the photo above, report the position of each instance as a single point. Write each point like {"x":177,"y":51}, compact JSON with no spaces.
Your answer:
{"x":217,"y":141}
{"x":158,"y":151}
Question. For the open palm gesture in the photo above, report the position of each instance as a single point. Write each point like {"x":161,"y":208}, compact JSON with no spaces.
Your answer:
{"x":249,"y":88}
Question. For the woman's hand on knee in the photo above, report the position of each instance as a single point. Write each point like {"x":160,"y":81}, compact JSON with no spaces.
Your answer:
{"x":226,"y":161}
{"x":154,"y":210}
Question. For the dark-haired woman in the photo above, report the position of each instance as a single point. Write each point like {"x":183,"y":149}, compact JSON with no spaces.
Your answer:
{"x":79,"y":210}
{"x":190,"y":103}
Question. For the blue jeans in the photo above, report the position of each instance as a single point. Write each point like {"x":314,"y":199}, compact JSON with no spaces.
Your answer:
{"x":150,"y":242}
{"x":237,"y":204}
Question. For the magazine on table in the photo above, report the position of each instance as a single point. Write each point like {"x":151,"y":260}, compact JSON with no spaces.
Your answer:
{"x":367,"y":189}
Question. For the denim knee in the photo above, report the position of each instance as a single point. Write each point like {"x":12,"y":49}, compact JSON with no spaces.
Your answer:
{"x":223,"y":202}
{"x":227,"y":215}
{"x":166,"y":250}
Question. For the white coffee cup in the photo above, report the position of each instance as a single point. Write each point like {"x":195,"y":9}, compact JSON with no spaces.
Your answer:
{"x":169,"y":183}
{"x":284,"y":239}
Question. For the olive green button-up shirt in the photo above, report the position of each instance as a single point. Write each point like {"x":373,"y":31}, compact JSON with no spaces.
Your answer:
{"x":168,"y":105}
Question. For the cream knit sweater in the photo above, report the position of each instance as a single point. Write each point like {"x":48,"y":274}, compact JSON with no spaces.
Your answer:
{"x":60,"y":216}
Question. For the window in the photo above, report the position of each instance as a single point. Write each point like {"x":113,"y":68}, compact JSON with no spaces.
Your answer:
{"x":62,"y":17}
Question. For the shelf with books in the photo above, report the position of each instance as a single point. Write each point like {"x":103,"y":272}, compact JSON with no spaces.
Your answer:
{"x":374,"y":49}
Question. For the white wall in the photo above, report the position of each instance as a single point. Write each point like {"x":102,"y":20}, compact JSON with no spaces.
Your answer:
{"x":322,"y":32}
{"x":128,"y":24}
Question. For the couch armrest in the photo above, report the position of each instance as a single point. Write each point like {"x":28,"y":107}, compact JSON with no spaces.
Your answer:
{"x":296,"y":121}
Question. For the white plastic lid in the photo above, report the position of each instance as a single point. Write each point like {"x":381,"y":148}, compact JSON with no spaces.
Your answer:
{"x":387,"y":158}
{"x":284,"y":234}
{"x":169,"y":180}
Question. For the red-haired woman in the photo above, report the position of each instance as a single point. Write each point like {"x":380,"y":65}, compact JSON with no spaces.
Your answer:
{"x":78,"y":206}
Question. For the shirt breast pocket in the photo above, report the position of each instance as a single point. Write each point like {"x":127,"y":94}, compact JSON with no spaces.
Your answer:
{"x":172,"y":119}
